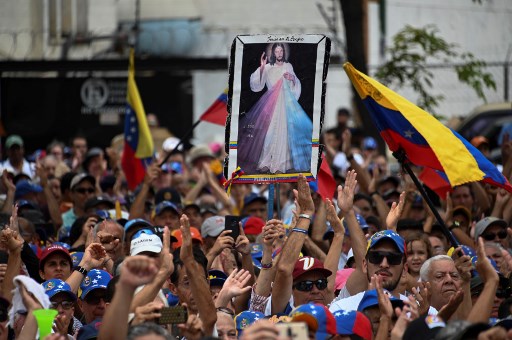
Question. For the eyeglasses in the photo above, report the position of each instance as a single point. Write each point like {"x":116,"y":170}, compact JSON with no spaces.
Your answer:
{"x":94,"y":300}
{"x":65,"y":305}
{"x":84,"y":190}
{"x":376,"y":257}
{"x":307,"y":286}
{"x":502,"y":234}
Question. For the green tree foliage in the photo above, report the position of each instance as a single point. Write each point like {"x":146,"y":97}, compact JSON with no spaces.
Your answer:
{"x":409,"y":54}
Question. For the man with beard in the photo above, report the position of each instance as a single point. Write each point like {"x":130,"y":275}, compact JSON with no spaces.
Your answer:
{"x":385,"y":258}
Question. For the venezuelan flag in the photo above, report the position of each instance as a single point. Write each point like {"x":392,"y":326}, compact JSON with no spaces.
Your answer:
{"x":138,"y":143}
{"x":218,"y":111}
{"x":425,"y":140}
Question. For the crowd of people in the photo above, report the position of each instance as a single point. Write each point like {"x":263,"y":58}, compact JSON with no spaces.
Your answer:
{"x":163,"y":261}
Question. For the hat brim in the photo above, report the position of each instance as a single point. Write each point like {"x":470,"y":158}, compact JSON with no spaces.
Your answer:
{"x":85,"y":292}
{"x":67,"y":292}
{"x":323,"y":271}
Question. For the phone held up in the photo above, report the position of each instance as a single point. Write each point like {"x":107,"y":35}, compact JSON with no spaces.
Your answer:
{"x":232,"y":223}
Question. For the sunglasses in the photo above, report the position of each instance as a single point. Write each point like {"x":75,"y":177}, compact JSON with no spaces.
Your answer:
{"x":307,"y":286}
{"x":65,"y":305}
{"x":502,"y":234}
{"x":85,"y":190}
{"x":94,"y":300}
{"x":376,"y":257}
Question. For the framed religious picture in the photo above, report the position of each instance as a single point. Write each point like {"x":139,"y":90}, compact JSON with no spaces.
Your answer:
{"x":276,"y":107}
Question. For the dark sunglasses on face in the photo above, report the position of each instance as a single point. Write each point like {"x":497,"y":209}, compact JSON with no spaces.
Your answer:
{"x":307,"y":286}
{"x":94,"y":300}
{"x":376,"y":257}
{"x":84,"y":190}
{"x":65,"y":305}
{"x":502,"y":234}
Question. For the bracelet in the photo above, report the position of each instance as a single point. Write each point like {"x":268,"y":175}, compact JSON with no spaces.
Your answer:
{"x":266,"y":265}
{"x":305,"y":232}
{"x":305,"y":216}
{"x":81,"y":270}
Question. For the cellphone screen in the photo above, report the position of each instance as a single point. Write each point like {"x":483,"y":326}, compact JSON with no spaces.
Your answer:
{"x":173,"y":315}
{"x":231,"y":223}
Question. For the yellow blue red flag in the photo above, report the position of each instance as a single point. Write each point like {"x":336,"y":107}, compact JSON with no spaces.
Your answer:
{"x":138,"y":144}
{"x":425,"y":141}
{"x":218,"y":111}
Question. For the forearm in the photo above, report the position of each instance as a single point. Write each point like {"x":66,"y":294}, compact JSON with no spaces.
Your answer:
{"x":319,"y":224}
{"x":137,"y":208}
{"x":266,"y":277}
{"x":201,"y":292}
{"x":193,"y":193}
{"x":13,"y":269}
{"x":313,"y":250}
{"x":332,"y":259}
{"x":220,"y":194}
{"x":53,"y":206}
{"x":117,"y":314}
{"x":464,"y":308}
{"x":8,"y":203}
{"x":383,"y":330}
{"x":292,"y":247}
{"x":381,"y":206}
{"x":481,"y":196}
{"x":148,"y":293}
{"x":481,"y":311}
{"x":29,"y":330}
{"x":357,"y":238}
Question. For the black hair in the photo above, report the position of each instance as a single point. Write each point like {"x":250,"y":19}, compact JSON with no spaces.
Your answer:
{"x":76,"y":229}
{"x":65,"y":181}
{"x":199,"y":256}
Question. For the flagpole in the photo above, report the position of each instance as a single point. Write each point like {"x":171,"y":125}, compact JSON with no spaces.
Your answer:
{"x":402,"y":158}
{"x":185,"y":137}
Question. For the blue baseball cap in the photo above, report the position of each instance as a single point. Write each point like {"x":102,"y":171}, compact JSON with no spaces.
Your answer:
{"x":370,"y":299}
{"x":25,"y":187}
{"x":137,"y":222}
{"x":90,"y":331}
{"x":318,"y":318}
{"x":217,"y":278}
{"x":76,"y":257}
{"x":353,"y":323}
{"x":253,"y":197}
{"x":387,"y":235}
{"x":95,"y":279}
{"x":62,"y":244}
{"x":369,"y":143}
{"x":245,"y":319}
{"x":163,"y":206}
{"x":172,"y":300}
{"x":55,"y":286}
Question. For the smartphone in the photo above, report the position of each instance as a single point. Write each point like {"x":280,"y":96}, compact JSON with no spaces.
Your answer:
{"x":173,"y":315}
{"x":231,"y":222}
{"x":293,"y":330}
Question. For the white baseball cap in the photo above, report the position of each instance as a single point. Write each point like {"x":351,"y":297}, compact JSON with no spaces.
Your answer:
{"x":146,"y":242}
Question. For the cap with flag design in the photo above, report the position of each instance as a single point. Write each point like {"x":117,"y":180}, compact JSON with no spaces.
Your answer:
{"x":318,"y":318}
{"x":353,"y":323}
{"x":95,"y":279}
{"x":55,"y":286}
{"x":387,"y":235}
{"x":245,"y":319}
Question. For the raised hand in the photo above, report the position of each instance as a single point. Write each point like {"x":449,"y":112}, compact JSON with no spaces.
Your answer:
{"x":450,"y":308}
{"x":263,"y":60}
{"x":137,"y":271}
{"x":385,"y":306}
{"x":193,"y":329}
{"x":395,"y":212}
{"x":29,"y":300}
{"x":152,"y":173}
{"x":7,"y":181}
{"x":222,"y":242}
{"x":13,"y":220}
{"x":422,"y":296}
{"x":61,"y":324}
{"x":346,"y":193}
{"x":303,"y":200}
{"x":463,"y":264}
{"x":483,"y":265}
{"x":186,"y":246}
{"x":166,"y":258}
{"x":242,"y":244}
{"x":94,"y":256}
{"x":11,"y":240}
{"x":146,"y":313}
{"x":333,"y":219}
{"x":236,"y":283}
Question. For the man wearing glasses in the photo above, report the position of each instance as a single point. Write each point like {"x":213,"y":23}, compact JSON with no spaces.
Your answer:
{"x":385,"y":257}
{"x":94,"y":290}
{"x":492,"y":229}
{"x":83,"y":188}
{"x":63,"y":300}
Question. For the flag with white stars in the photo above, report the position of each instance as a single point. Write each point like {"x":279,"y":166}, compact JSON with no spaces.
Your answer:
{"x":138,"y":147}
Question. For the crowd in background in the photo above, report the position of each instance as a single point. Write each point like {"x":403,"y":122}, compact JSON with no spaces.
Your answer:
{"x":369,"y":262}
